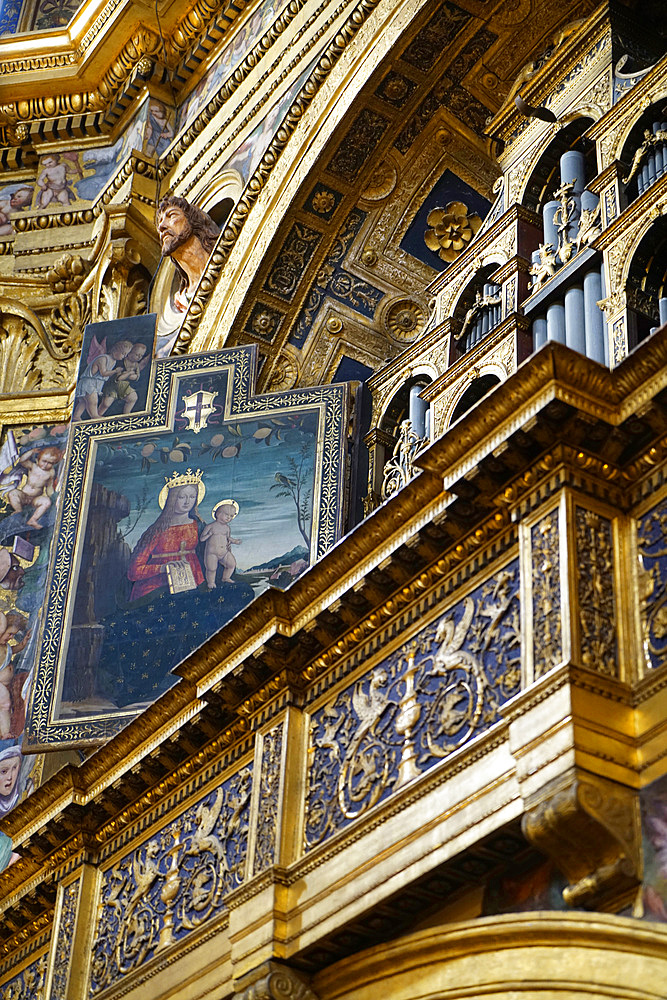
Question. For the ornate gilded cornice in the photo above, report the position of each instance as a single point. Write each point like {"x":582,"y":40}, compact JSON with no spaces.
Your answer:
{"x":568,"y":47}
{"x":140,"y":56}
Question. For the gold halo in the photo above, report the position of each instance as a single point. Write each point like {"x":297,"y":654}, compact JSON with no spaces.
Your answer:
{"x":164,"y":492}
{"x":226,"y":503}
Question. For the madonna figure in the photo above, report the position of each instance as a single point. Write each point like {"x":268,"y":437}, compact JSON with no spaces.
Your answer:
{"x":171,"y":611}
{"x":166,"y":552}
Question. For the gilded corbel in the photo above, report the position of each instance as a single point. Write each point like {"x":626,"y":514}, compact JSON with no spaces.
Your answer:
{"x":274,"y":981}
{"x":591,"y":830}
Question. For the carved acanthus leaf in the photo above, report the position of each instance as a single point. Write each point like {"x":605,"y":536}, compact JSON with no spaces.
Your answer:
{"x":67,"y":322}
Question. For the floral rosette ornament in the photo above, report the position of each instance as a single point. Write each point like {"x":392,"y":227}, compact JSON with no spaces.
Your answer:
{"x":453,"y":229}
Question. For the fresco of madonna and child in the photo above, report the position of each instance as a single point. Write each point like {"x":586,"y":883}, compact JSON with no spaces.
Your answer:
{"x":174,"y":519}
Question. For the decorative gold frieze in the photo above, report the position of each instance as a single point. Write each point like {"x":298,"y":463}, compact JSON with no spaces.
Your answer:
{"x":173,"y":883}
{"x":436,"y":692}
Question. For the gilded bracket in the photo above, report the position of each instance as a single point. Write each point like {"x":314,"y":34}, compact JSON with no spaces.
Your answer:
{"x":274,"y":981}
{"x":590,"y":829}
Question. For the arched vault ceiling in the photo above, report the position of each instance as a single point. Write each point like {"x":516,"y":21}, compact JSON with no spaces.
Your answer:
{"x":322,"y":269}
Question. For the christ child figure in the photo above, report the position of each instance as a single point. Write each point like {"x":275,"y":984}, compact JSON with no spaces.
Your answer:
{"x":39,"y":486}
{"x":10,"y":624}
{"x":119,"y":385}
{"x":218,"y":551}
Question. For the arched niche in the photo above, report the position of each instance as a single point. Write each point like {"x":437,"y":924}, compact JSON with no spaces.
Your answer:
{"x":220,"y":196}
{"x":405,"y":405}
{"x":545,"y":176}
{"x":472,"y":395}
{"x":644,"y":153}
{"x":647,"y":281}
{"x":477,"y":310}
{"x":384,"y":439}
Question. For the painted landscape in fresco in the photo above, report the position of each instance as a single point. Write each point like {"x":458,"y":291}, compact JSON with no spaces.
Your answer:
{"x":183,"y":529}
{"x":31,"y":460}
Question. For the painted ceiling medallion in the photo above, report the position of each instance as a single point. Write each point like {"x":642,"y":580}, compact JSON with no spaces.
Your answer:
{"x":453,"y":228}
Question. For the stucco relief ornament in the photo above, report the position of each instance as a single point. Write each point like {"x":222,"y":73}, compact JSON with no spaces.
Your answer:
{"x":453,"y":228}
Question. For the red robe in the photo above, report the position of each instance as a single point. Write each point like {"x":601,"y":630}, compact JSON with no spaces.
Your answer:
{"x":168,"y":546}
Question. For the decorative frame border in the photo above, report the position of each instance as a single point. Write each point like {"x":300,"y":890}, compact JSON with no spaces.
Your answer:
{"x":43,"y":729}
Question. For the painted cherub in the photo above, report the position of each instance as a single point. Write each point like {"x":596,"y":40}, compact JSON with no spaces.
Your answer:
{"x":53,"y":182}
{"x":218,"y":551}
{"x":118,"y":386}
{"x":39,"y":485}
{"x":93,"y":379}
{"x":10,"y":624}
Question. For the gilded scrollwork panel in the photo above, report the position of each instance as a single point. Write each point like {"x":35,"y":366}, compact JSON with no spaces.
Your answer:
{"x":62,"y":953}
{"x":652,"y":551}
{"x":436,"y":692}
{"x":171,"y":884}
{"x":546,"y":605}
{"x":268,"y":800}
{"x":595,"y":591}
{"x":29,"y":984}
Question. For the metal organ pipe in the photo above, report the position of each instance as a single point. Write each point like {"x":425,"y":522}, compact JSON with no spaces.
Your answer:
{"x":539,"y":332}
{"x":417,"y":410}
{"x":575,"y":322}
{"x":556,"y":322}
{"x":594,"y":321}
{"x":662,"y":306}
{"x":659,"y":169}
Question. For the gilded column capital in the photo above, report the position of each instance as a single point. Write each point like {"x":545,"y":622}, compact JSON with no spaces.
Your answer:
{"x":274,"y":981}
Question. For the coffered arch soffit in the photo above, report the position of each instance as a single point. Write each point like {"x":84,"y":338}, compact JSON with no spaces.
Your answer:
{"x":409,"y":101}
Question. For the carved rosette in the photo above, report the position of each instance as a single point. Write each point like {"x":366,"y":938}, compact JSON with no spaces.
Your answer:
{"x":591,"y":831}
{"x":595,"y":592}
{"x":405,"y":320}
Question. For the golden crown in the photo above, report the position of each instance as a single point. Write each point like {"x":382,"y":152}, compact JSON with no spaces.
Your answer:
{"x":188,"y":478}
